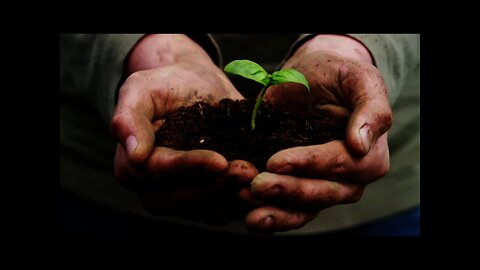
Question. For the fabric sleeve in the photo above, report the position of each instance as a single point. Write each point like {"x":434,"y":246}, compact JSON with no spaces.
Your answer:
{"x":208,"y":43}
{"x":92,"y":66}
{"x":396,"y":55}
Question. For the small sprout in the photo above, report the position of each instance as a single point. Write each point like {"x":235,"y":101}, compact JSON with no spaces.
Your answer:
{"x":254,"y":71}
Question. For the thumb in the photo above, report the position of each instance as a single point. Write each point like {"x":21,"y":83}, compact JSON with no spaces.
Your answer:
{"x":135,"y":132}
{"x":372,"y":115}
{"x":368,"y":122}
{"x":132,"y":122}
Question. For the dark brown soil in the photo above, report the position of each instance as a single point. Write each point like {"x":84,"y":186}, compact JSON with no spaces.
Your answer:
{"x":225,"y":128}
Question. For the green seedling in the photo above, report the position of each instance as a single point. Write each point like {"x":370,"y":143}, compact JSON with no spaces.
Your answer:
{"x":254,"y":71}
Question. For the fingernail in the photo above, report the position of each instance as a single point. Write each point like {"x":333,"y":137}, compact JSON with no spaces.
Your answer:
{"x":131,"y":144}
{"x":366,"y":137}
{"x":260,"y":178}
{"x":281,"y":165}
{"x":288,"y":168}
{"x":268,"y":221}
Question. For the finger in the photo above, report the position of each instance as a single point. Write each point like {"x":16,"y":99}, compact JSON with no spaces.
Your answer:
{"x":167,"y":168}
{"x":235,"y":183}
{"x":246,"y":197}
{"x":272,"y":219}
{"x":332,"y":161}
{"x":123,"y":171}
{"x":372,"y":115}
{"x":233,"y":186}
{"x":166,"y":163}
{"x":132,"y":120}
{"x":239,"y":173}
{"x":306,"y":193}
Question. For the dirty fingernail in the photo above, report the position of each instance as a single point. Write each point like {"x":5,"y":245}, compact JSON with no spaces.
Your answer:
{"x":260,"y":178}
{"x":276,"y":163}
{"x":366,"y":137}
{"x":131,"y":144}
{"x":288,"y":168}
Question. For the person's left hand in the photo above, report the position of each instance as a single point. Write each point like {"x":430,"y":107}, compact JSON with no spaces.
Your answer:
{"x":301,"y":181}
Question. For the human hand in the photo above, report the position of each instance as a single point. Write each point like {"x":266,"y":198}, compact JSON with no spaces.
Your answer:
{"x":167,"y":72}
{"x":301,"y":181}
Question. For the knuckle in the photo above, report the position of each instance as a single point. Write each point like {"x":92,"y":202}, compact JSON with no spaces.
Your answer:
{"x":309,"y":160}
{"x":298,"y":220}
{"x":339,"y":165}
{"x":386,"y":118}
{"x":153,"y":166}
{"x":294,"y":191}
{"x":330,"y":195}
{"x":117,"y":122}
{"x":383,"y":168}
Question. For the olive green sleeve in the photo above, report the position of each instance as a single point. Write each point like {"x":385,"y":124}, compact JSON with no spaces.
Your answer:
{"x":92,"y":66}
{"x":296,"y":44}
{"x":395,"y":55}
{"x":209,"y":45}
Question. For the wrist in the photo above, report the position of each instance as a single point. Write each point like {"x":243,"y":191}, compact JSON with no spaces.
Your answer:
{"x":339,"y":44}
{"x":158,"y":50}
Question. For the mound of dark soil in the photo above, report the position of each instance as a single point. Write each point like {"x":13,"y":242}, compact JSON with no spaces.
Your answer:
{"x":225,"y":128}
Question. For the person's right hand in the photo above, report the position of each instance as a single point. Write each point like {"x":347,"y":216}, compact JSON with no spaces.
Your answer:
{"x":167,"y":72}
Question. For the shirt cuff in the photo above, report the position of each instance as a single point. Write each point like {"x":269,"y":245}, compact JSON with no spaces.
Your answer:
{"x":296,"y":44}
{"x":306,"y":37}
{"x":108,"y":60}
{"x":395,"y":55}
{"x":391,"y":54}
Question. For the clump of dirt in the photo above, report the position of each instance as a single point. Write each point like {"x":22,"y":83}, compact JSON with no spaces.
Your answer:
{"x":225,"y":128}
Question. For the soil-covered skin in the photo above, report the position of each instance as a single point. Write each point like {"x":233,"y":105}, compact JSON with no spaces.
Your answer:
{"x":225,"y":128}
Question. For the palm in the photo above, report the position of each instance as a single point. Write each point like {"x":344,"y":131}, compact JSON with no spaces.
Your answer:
{"x":188,"y":184}
{"x":329,"y":78}
{"x":183,"y":85}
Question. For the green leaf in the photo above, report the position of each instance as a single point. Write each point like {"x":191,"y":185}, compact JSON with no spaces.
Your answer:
{"x":289,"y":75}
{"x":249,"y":70}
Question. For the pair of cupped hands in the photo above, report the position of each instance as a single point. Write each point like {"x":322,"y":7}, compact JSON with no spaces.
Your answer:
{"x":170,"y":71}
